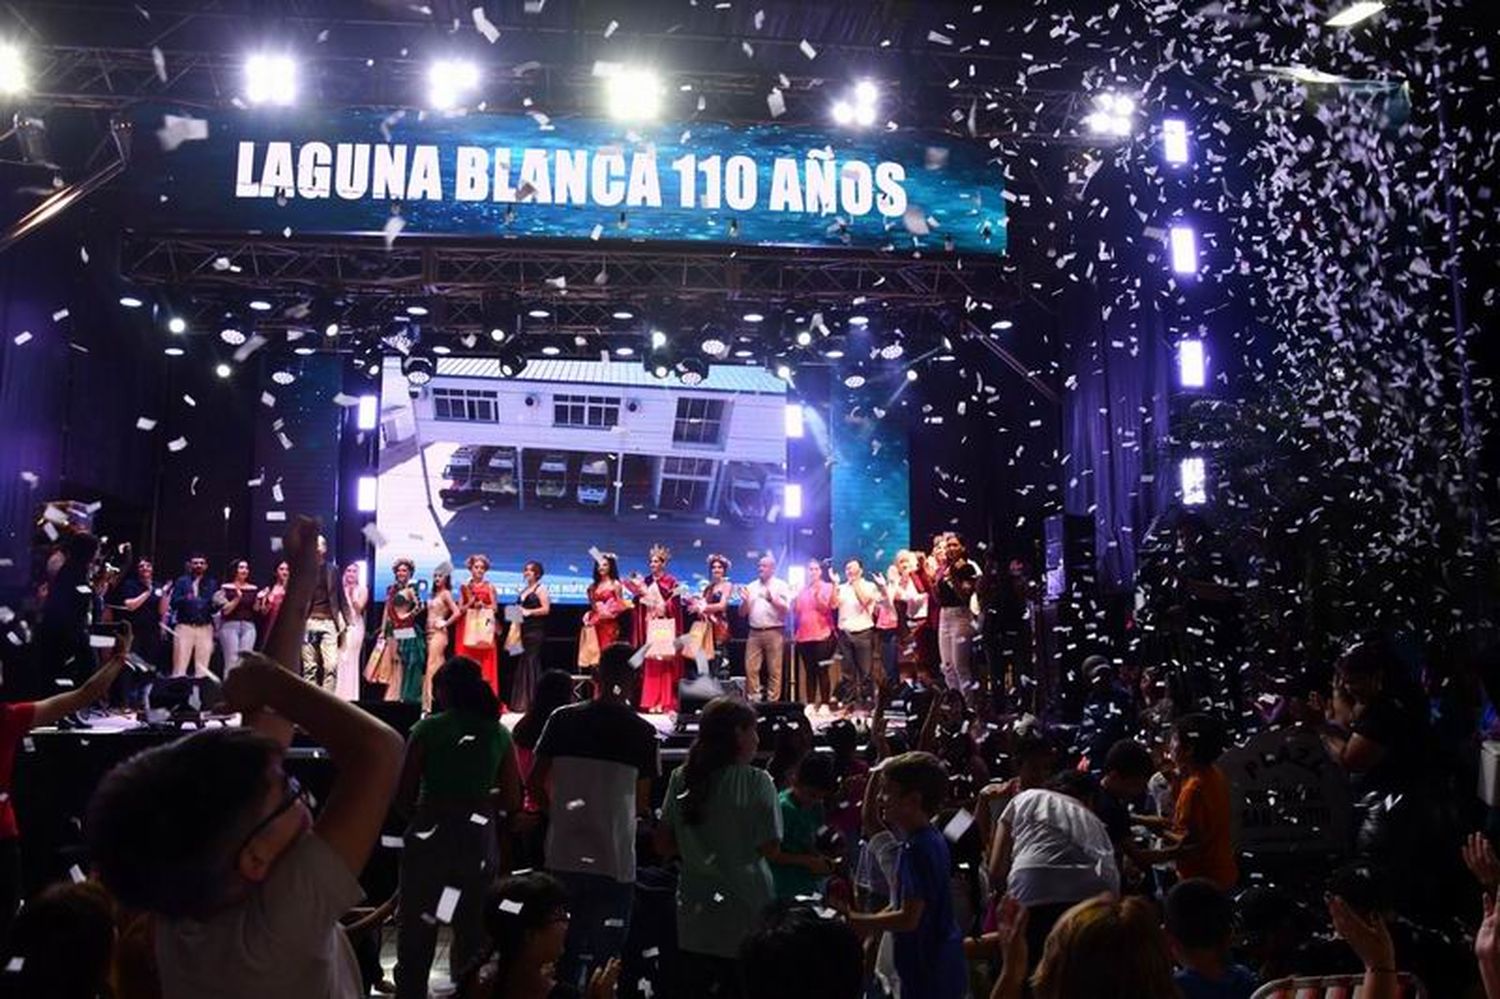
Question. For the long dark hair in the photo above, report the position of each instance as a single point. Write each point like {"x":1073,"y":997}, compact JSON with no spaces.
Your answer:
{"x":517,"y":906}
{"x":554,"y":689}
{"x":459,"y":686}
{"x":607,"y":568}
{"x":715,"y":748}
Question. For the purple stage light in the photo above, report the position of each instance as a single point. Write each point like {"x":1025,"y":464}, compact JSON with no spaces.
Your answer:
{"x":1192,"y":364}
{"x":1184,"y":243}
{"x":1174,"y":139}
{"x":1193,"y":474}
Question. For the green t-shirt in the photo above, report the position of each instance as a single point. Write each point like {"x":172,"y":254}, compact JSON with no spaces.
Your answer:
{"x":460,"y":754}
{"x":725,"y":882}
{"x":799,"y":834}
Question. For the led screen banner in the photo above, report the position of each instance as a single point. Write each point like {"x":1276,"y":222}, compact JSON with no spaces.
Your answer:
{"x":353,"y":171}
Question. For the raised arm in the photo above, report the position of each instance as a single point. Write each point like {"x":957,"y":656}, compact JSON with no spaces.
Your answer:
{"x":284,"y":642}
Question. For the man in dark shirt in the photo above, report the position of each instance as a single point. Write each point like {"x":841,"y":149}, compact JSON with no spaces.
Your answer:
{"x":592,"y":775}
{"x":138,"y":601}
{"x":327,"y":620}
{"x":191,"y":602}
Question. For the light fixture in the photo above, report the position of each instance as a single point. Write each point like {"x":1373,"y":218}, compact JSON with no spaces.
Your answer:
{"x":854,"y":380}
{"x":1113,"y":114}
{"x":1192,"y":364}
{"x":259,"y":305}
{"x":658,"y":339}
{"x":304,"y":351}
{"x":270,"y":79}
{"x":804,"y":337}
{"x":368,"y":412}
{"x":858,"y":107}
{"x":416,"y":309}
{"x":744,"y":353}
{"x":232,"y":335}
{"x":793,"y":420}
{"x":442,"y":349}
{"x":538,"y":313}
{"x":833,"y":353}
{"x":283,"y":376}
{"x":911,"y":374}
{"x":714,"y":345}
{"x":892,"y":351}
{"x":632,"y":93}
{"x":624,"y":351}
{"x":783,"y":372}
{"x":512,"y":362}
{"x":223,"y":370}
{"x":791,"y":501}
{"x":366,"y":492}
{"x":1184,"y":245}
{"x":332,"y":329}
{"x":1355,"y":13}
{"x":174,"y":351}
{"x":12,"y":70}
{"x":417,"y":369}
{"x":497,"y":334}
{"x":131,"y":301}
{"x":1193,"y":476}
{"x":176,"y":324}
{"x":1174,"y":141}
{"x":449,"y":81}
{"x":551,"y":350}
{"x":858,"y":320}
{"x":754,"y":317}
{"x":622,"y":314}
{"x":692,"y":370}
{"x":660,"y":371}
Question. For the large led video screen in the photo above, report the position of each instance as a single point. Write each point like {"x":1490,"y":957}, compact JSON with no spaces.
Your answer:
{"x":573,"y":455}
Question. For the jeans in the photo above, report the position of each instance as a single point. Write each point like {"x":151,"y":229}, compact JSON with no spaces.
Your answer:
{"x":955,"y":646}
{"x":320,"y":649}
{"x":455,"y":853}
{"x":600,"y":909}
{"x":764,"y":645}
{"x":235,"y":637}
{"x":859,"y":648}
{"x":890,"y":655}
{"x":192,"y":643}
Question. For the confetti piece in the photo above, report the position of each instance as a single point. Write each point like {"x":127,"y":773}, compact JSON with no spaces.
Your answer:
{"x":776,"y":103}
{"x":60,"y":315}
{"x":447,"y":903}
{"x":160,"y":62}
{"x":806,"y":47}
{"x":22,"y":338}
{"x":611,"y":28}
{"x":177,"y":444}
{"x":393,"y":227}
{"x":511,"y":906}
{"x":485,"y":26}
{"x":177,"y":129}
{"x":145,"y":423}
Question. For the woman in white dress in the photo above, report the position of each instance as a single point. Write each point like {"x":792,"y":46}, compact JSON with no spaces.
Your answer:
{"x":350,"y":662}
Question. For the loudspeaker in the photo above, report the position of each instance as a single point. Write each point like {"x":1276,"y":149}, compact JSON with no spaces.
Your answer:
{"x":1080,"y":568}
{"x":399,"y":715}
{"x":183,"y":693}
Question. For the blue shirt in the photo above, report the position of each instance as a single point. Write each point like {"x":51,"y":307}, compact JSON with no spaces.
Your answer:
{"x":1239,"y":982}
{"x":929,"y":959}
{"x":190,"y":609}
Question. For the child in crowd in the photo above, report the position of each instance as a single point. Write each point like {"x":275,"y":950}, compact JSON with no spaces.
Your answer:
{"x":929,"y":956}
{"x":1127,"y":769}
{"x":799,"y":868}
{"x":1200,"y":927}
{"x":801,"y":951}
{"x":213,"y":837}
{"x":62,"y":945}
{"x":1200,"y":830}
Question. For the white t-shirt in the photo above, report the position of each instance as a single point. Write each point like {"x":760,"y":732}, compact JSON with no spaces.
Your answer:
{"x":763,"y":613}
{"x":853,"y":615}
{"x":1060,"y":851}
{"x":284,"y":939}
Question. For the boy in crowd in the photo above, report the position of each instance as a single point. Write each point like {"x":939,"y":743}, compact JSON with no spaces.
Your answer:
{"x":1200,"y":832}
{"x":800,"y":869}
{"x":215,"y":839}
{"x":929,"y":953}
{"x":1127,"y":770}
{"x":1200,"y":927}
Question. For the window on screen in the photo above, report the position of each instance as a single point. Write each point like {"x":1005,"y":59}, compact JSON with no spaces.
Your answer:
{"x":465,"y":405}
{"x":699,"y":421}
{"x":593,"y":411}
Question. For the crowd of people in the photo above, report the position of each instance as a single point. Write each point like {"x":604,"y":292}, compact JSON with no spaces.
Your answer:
{"x":935,"y":847}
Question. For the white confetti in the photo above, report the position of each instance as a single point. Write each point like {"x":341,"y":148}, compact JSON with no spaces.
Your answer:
{"x":177,"y":444}
{"x":485,"y":26}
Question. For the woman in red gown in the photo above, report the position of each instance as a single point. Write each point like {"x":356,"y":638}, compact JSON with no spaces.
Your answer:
{"x":606,"y":601}
{"x":656,"y":598}
{"x":477,"y":593}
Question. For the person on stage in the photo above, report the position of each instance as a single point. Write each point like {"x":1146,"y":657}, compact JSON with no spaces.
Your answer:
{"x":712,"y":608}
{"x":268,"y":602}
{"x":191,"y":604}
{"x":326,"y":620}
{"x":477,"y":605}
{"x":956,"y":584}
{"x":401,"y":662}
{"x":813,"y":608}
{"x":536,"y":605}
{"x":357,"y":597}
{"x":442,"y":614}
{"x":857,"y":599}
{"x":914,"y":609}
{"x":606,"y":605}
{"x":764,"y":603}
{"x":236,"y":603}
{"x":138,"y":601}
{"x":657,"y":601}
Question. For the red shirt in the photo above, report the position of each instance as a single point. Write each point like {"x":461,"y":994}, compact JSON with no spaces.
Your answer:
{"x":15,"y":721}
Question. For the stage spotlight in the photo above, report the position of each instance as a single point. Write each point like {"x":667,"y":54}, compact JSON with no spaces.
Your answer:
{"x":859,"y":107}
{"x":551,"y":350}
{"x":539,"y":313}
{"x":497,"y":334}
{"x":512,"y":363}
{"x":1193,"y":475}
{"x":304,"y":351}
{"x":793,"y":425}
{"x":417,"y":369}
{"x":632,"y":94}
{"x":368,"y":413}
{"x":833,"y":354}
{"x":259,"y":305}
{"x":624,"y":351}
{"x":911,"y":374}
{"x":417,"y":309}
{"x":366,"y":492}
{"x":1355,"y":13}
{"x":449,"y":81}
{"x":791,"y":501}
{"x":754,"y":317}
{"x":223,"y":370}
{"x":1184,"y":243}
{"x":714,"y":344}
{"x":283,"y":376}
{"x":270,"y":79}
{"x":804,"y":338}
{"x":692,"y":370}
{"x":12,"y":70}
{"x":442,"y":349}
{"x":1192,"y":365}
{"x":854,"y":380}
{"x":232,"y":335}
{"x":658,"y":339}
{"x":174,"y":351}
{"x":660,"y":370}
{"x":1113,"y":115}
{"x":176,"y":324}
{"x":331,"y":328}
{"x":892,"y":351}
{"x":859,"y":320}
{"x":132,"y":301}
{"x":784,"y":372}
{"x":866,"y":93}
{"x":843,"y":113}
{"x":1174,"y":140}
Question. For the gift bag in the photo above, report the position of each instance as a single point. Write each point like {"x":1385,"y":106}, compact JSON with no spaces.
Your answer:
{"x":661,"y":638}
{"x":588,"y":646}
{"x":513,"y":646}
{"x":699,"y":639}
{"x":378,"y":666}
{"x":479,"y":627}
